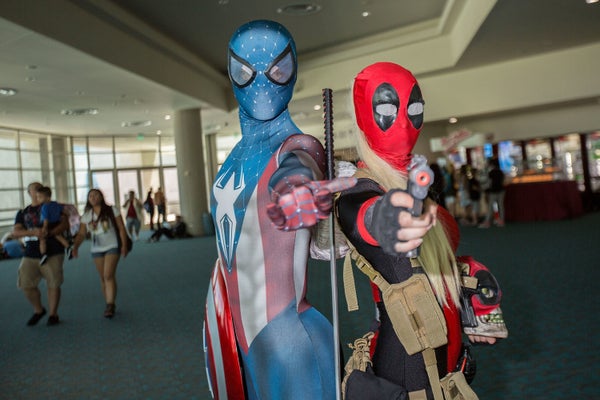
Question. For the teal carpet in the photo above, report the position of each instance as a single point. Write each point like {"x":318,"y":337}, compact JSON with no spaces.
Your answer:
{"x":152,"y":349}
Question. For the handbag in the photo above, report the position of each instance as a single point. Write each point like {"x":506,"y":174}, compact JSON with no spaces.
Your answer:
{"x":129,"y":244}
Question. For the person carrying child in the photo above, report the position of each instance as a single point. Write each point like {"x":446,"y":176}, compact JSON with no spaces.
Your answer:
{"x":50,"y":217}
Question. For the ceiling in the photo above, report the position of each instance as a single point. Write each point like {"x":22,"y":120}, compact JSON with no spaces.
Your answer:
{"x":138,"y":61}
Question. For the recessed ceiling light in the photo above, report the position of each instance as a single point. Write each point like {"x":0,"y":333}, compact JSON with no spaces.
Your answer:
{"x":167,"y":117}
{"x":80,"y":111}
{"x":591,"y":1}
{"x":453,"y":120}
{"x":158,"y":132}
{"x":300,"y":9}
{"x":8,"y":91}
{"x":317,"y":107}
{"x":135,"y":123}
{"x":365,"y":14}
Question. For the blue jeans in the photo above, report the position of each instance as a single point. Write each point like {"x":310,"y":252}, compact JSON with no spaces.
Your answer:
{"x":135,"y":223}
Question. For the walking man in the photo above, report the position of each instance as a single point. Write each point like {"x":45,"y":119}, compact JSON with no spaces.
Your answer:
{"x":28,"y":226}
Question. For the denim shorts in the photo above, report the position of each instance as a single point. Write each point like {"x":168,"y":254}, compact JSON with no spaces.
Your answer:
{"x":114,"y":250}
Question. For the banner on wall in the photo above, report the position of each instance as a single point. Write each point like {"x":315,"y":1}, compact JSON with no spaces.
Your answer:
{"x":461,"y":137}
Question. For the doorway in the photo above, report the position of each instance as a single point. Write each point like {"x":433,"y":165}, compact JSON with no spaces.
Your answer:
{"x":116,"y":184}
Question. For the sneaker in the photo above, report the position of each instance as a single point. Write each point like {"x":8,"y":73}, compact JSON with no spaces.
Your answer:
{"x":35,"y":318}
{"x":484,"y":225}
{"x":70,"y":253}
{"x":53,"y":320}
{"x":43,"y":259}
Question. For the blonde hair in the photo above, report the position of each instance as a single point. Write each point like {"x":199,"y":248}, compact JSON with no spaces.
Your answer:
{"x":436,"y":255}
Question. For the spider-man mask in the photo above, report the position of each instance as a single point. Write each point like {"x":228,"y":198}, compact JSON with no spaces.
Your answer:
{"x":389,"y":110}
{"x":262,"y":68}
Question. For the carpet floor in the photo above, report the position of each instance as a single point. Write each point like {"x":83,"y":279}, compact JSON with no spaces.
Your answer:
{"x":152,"y":349}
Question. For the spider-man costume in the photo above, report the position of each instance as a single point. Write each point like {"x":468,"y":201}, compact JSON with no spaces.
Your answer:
{"x":262,"y":197}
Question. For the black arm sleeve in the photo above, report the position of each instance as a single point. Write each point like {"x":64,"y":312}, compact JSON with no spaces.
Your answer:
{"x":392,"y":267}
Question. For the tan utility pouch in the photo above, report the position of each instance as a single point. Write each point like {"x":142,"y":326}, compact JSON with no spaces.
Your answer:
{"x":415,"y":313}
{"x":455,"y":387}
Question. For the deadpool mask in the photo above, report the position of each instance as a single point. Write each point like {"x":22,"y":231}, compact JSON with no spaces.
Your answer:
{"x":389,"y":110}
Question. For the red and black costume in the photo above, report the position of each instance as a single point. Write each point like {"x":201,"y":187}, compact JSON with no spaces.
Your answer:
{"x":389,"y":111}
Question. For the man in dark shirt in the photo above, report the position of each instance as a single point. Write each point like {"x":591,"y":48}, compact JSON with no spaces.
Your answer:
{"x":28,"y":226}
{"x":495,"y":194}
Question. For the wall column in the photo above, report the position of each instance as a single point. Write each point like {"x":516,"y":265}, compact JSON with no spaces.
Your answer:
{"x":191,"y":169}
{"x":60,"y":163}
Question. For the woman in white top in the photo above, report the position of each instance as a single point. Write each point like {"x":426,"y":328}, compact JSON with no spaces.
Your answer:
{"x":106,"y":226}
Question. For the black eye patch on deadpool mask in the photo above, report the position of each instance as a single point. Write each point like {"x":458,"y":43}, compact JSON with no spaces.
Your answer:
{"x":415,"y":107}
{"x":385,"y":105}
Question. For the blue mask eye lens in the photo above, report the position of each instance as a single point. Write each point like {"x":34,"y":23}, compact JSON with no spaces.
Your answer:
{"x":241,"y":73}
{"x":283,"y":68}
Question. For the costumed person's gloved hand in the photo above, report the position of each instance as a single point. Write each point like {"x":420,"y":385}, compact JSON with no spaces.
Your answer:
{"x":395,"y":228}
{"x":300,"y":203}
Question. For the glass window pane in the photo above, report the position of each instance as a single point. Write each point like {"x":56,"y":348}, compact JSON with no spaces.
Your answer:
{"x":101,"y":161}
{"x":135,"y":143}
{"x":169,"y":158}
{"x":33,"y":141}
{"x":135,"y":152}
{"x":150,"y":158}
{"x":129,"y":160}
{"x":8,"y":159}
{"x":150,"y":180}
{"x":101,"y":145}
{"x":81,"y":161}
{"x":9,"y":180}
{"x":167,"y":143}
{"x":9,"y":215}
{"x":128,"y":180}
{"x":32,"y":176}
{"x":8,"y":139}
{"x":10,"y":198}
{"x":82,"y":193}
{"x":81,"y":177}
{"x":104,"y":182}
{"x":31,"y":159}
{"x":79,"y":145}
{"x":171,"y":190}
